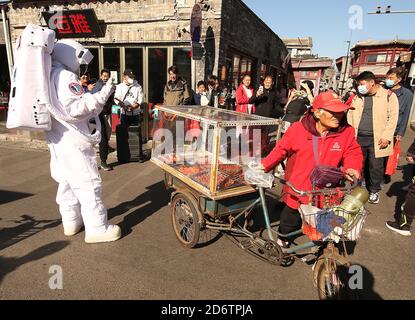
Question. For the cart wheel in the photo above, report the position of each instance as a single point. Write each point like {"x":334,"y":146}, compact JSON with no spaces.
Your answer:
{"x":332,"y":279}
{"x":185,"y":220}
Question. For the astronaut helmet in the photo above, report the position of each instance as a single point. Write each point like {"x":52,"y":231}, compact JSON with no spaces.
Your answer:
{"x":72,"y":55}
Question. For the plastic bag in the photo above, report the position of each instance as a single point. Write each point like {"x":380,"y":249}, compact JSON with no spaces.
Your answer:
{"x":393,"y":159}
{"x":308,"y":214}
{"x":259,"y":178}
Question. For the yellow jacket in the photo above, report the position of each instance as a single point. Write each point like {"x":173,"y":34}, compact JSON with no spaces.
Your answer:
{"x":385,"y":118}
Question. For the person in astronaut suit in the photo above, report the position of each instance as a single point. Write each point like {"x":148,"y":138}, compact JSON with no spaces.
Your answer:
{"x":72,"y":142}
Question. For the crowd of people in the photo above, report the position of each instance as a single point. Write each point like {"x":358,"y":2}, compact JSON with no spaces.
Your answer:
{"x":356,"y":132}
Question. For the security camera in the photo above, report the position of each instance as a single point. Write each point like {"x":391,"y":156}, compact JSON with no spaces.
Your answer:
{"x":186,"y":29}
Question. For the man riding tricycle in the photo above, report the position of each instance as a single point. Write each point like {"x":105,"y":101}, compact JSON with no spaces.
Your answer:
{"x":321,"y":152}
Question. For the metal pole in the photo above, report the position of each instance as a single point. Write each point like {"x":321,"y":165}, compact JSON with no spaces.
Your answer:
{"x":345,"y":69}
{"x":9,"y":50}
{"x":397,"y":11}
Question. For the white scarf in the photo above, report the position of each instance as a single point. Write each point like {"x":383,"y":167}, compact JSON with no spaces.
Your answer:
{"x":249,"y":94}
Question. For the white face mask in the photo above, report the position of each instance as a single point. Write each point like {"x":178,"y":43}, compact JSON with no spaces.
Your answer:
{"x":130,"y":81}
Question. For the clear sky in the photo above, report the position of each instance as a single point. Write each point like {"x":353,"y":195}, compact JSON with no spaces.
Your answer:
{"x":327,"y":21}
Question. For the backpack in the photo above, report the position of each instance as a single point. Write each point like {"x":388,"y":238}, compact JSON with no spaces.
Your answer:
{"x":29,"y":96}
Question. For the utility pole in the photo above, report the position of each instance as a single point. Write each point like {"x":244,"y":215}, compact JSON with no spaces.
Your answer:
{"x":345,"y":69}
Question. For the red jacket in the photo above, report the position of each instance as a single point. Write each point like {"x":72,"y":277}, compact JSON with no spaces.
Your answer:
{"x":338,"y":149}
{"x":242,"y":100}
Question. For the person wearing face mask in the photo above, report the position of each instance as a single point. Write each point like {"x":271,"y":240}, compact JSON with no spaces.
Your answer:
{"x":393,"y":81}
{"x":375,"y":117}
{"x":129,"y":95}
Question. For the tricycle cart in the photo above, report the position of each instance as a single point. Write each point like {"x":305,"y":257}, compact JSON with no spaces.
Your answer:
{"x":210,"y":192}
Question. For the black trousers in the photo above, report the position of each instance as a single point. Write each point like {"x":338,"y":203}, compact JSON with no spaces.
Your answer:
{"x":127,"y":121}
{"x":103,"y":145}
{"x":373,"y":168}
{"x":409,"y":207}
{"x":290,"y":220}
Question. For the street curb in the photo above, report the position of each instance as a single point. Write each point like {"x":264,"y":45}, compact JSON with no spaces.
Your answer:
{"x":25,"y":142}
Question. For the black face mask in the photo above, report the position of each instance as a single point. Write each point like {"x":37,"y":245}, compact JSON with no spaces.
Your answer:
{"x":83,"y":68}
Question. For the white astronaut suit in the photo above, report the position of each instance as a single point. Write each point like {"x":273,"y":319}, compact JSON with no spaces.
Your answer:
{"x":46,"y":95}
{"x":72,"y":145}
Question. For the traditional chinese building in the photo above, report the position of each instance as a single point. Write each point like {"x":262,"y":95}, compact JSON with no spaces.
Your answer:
{"x":148,"y":36}
{"x":378,"y":56}
{"x":313,"y":69}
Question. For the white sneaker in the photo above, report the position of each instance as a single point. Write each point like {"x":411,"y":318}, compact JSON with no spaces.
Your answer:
{"x":112,"y":233}
{"x":374,"y":198}
{"x":71,"y":229}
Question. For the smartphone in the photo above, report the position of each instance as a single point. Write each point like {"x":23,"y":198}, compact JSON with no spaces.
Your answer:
{"x":93,"y":81}
{"x":261,"y":89}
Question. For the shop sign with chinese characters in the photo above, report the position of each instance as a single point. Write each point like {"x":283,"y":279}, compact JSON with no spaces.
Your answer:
{"x":74,"y":23}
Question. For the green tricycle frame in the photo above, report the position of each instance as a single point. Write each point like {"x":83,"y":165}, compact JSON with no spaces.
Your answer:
{"x":194,"y":213}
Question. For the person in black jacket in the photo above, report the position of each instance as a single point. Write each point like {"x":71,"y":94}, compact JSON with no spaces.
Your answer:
{"x":402,"y":224}
{"x":267,"y":102}
{"x":298,"y":103}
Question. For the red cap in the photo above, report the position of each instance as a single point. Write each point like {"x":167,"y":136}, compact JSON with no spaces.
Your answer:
{"x":330,"y":101}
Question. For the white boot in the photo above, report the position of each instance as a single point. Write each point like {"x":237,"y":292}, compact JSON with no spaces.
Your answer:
{"x":112,"y":233}
{"x":72,"y":228}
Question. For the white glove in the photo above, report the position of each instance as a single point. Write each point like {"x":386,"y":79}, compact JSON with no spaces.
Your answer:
{"x":105,"y":93}
{"x":109,"y":88}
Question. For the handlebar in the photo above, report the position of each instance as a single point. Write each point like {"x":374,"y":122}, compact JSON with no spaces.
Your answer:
{"x":320,"y":191}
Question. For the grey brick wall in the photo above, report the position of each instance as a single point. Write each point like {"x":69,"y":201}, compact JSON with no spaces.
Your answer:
{"x":158,"y":21}
{"x":241,"y":30}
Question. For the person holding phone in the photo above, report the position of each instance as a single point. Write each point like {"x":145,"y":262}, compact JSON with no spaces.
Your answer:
{"x":267,"y":101}
{"x":86,"y":82}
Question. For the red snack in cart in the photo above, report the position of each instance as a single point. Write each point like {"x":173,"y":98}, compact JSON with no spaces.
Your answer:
{"x":230,"y":169}
{"x":188,"y":171}
{"x":223,"y":182}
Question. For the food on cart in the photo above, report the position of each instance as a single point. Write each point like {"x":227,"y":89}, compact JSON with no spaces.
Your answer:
{"x":189,"y":171}
{"x":230,"y":169}
{"x":170,"y":158}
{"x":223,"y":181}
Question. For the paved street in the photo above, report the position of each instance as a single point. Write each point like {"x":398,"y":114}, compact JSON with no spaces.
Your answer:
{"x":148,"y":262}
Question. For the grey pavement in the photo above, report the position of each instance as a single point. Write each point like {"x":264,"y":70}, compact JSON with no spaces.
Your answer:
{"x":148,"y":262}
